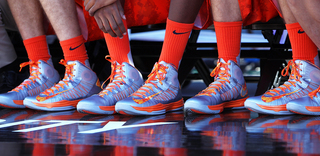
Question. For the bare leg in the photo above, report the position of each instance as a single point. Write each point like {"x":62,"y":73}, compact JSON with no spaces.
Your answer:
{"x":63,"y":17}
{"x":226,"y":10}
{"x":286,"y":12}
{"x":184,"y":11}
{"x":29,"y":17}
{"x":307,"y":14}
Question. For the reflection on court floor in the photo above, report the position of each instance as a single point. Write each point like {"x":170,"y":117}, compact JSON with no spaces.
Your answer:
{"x":31,"y":132}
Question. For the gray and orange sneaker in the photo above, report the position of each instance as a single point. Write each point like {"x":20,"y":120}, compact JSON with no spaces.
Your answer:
{"x":160,"y":93}
{"x":124,"y":80}
{"x":228,"y":90}
{"x":78,"y":83}
{"x":42,"y":76}
{"x":304,"y":78}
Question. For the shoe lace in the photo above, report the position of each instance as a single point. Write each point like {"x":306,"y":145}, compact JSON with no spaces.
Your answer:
{"x":116,"y":77}
{"x":34,"y":74}
{"x":157,"y":74}
{"x":67,"y":77}
{"x":293,"y":79}
{"x":221,"y":74}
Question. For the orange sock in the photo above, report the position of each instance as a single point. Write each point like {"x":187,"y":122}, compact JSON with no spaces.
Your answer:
{"x":302,"y":46}
{"x":74,"y":49}
{"x":175,"y":41}
{"x":37,"y":48}
{"x":119,"y":49}
{"x":228,"y":36}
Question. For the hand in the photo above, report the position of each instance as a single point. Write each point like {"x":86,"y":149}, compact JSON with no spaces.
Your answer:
{"x":93,"y":5}
{"x":111,"y":15}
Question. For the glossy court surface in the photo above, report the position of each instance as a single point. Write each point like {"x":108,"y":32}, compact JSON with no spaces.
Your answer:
{"x":238,"y":132}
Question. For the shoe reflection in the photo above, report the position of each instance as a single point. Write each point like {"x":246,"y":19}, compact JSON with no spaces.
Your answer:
{"x":223,"y":131}
{"x":294,"y":134}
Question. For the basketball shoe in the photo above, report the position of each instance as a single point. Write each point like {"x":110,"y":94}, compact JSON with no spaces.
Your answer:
{"x":160,"y":93}
{"x":304,"y":78}
{"x":228,"y":90}
{"x":124,"y":80}
{"x":42,"y":76}
{"x":78,"y":83}
{"x":308,"y":105}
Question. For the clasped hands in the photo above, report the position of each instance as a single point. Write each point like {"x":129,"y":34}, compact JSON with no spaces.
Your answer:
{"x":108,"y":15}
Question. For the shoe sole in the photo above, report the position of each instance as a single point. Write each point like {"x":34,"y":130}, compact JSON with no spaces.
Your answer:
{"x":92,"y":109}
{"x":9,"y":103}
{"x":126,"y":109}
{"x":195,"y":108}
{"x":304,"y":110}
{"x":274,"y":110}
{"x":56,"y":106}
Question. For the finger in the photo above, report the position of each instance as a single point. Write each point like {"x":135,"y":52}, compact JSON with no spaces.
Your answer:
{"x":119,"y":22}
{"x":89,"y":5}
{"x":100,"y":24}
{"x":115,"y":27}
{"x":120,"y":8}
{"x":85,"y":2}
{"x":93,"y":9}
{"x":106,"y":23}
{"x":100,"y":4}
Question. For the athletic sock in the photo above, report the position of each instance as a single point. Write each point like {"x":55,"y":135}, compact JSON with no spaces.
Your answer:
{"x":119,"y":49}
{"x":228,"y":36}
{"x":175,"y":41}
{"x":74,"y":49}
{"x":302,"y":46}
{"x":37,"y":48}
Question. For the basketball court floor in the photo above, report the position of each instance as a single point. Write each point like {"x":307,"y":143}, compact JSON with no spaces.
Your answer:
{"x":237,"y":132}
{"x":233,"y":132}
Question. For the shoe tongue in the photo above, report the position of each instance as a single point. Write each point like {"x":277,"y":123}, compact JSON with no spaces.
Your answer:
{"x":77,"y":62}
{"x":162,"y":63}
{"x":118,"y":70}
{"x":297,"y":62}
{"x":222,"y":61}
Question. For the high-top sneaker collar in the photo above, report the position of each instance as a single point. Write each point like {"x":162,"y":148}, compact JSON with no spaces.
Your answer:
{"x":121,"y":74}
